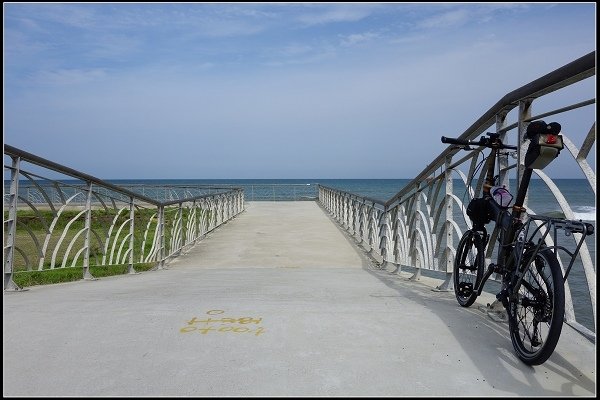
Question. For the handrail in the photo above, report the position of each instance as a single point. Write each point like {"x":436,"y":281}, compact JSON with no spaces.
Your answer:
{"x":352,"y":195}
{"x":419,"y":226}
{"x":99,"y":220}
{"x":42,"y":162}
{"x":575,"y":71}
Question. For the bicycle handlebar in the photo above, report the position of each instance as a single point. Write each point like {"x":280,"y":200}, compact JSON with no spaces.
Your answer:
{"x":455,"y":141}
{"x":481,"y":142}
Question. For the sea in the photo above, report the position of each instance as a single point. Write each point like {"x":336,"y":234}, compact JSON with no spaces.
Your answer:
{"x":577,"y":192}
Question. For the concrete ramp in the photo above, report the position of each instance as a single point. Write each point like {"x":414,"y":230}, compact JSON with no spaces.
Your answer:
{"x":276,"y":234}
{"x":278,"y":302}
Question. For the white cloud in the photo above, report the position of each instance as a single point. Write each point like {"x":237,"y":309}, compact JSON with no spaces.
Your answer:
{"x":357,"y":38}
{"x":296,"y":49}
{"x":350,"y":14}
{"x":336,"y":87}
{"x":408,"y":39}
{"x":69,"y":15}
{"x":18,"y":44}
{"x":446,"y":20}
{"x":229,"y":28}
{"x":69,"y":76}
{"x":109,"y":46}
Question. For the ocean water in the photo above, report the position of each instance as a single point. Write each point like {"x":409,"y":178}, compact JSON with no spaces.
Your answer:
{"x":577,"y":193}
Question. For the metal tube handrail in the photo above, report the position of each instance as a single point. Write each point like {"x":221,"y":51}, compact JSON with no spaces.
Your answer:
{"x":417,"y":226}
{"x":575,"y":71}
{"x":364,"y":198}
{"x":42,"y":162}
{"x":58,"y":246}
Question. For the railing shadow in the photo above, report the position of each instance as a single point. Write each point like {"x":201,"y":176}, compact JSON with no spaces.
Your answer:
{"x":423,"y":223}
{"x":490,"y":348}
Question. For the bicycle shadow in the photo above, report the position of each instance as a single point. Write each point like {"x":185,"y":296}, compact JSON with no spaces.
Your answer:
{"x":489,"y":346}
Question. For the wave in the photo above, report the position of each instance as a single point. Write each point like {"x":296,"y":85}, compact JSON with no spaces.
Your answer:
{"x":584,"y":213}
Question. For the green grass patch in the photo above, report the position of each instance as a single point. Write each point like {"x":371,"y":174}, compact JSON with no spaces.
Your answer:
{"x":61,"y":275}
{"x":32,"y":236}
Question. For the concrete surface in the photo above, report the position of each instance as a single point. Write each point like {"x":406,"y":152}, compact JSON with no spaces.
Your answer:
{"x":277,"y":302}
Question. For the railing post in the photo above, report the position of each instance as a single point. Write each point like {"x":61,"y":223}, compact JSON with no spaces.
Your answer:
{"x":87,"y":275}
{"x":384,"y":238}
{"x":180,"y":230}
{"x":363,"y":217}
{"x":9,"y":253}
{"x":131,"y":233}
{"x":524,"y":113}
{"x":448,"y":284}
{"x":414,"y":251}
{"x":502,"y":157}
{"x":242,"y":194}
{"x":398,"y":240}
{"x":161,"y":237}
{"x":371,"y":229}
{"x":345,"y":212}
{"x":352,"y":216}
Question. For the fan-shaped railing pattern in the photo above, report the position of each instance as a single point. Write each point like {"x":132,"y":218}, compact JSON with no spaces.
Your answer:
{"x":83,"y":221}
{"x":420,"y":226}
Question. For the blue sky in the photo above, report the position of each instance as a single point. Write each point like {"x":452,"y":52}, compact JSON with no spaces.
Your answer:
{"x":289,"y":90}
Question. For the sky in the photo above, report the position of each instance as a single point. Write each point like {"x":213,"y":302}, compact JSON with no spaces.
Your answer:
{"x":275,"y":90}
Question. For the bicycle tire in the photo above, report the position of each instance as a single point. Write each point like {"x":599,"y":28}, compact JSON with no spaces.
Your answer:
{"x":468,"y":267}
{"x":536,"y":314}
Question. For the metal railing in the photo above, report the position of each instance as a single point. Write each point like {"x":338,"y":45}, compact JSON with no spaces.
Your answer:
{"x":85,"y":221}
{"x":280,"y":192}
{"x":419,"y":226}
{"x":252,"y":191}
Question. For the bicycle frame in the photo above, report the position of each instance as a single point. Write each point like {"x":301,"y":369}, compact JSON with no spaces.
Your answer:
{"x":532,"y":292}
{"x":511,"y":250}
{"x":508,"y":223}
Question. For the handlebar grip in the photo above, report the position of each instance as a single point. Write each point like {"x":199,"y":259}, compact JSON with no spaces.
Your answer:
{"x":481,"y":142}
{"x":454,"y":141}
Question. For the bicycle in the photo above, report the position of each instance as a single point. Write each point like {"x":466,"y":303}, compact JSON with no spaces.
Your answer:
{"x":532,"y":283}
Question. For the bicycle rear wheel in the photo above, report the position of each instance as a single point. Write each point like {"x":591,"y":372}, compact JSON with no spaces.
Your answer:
{"x":536,"y":313}
{"x":468,"y":267}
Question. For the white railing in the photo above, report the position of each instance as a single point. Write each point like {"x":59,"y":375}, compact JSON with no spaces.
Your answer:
{"x":420,"y":226}
{"x":49,"y":223}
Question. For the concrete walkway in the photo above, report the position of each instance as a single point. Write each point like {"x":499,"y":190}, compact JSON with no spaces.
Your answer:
{"x":278,"y":302}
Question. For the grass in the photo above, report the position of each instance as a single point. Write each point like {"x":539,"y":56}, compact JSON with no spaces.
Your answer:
{"x":26,"y":273}
{"x":61,"y":275}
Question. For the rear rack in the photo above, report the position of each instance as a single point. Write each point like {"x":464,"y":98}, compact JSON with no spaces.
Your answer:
{"x":546,"y":225}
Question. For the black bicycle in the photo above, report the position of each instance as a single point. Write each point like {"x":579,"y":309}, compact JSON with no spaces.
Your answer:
{"x":532,"y":290}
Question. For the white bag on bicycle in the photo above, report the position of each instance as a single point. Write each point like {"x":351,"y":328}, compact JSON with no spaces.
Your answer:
{"x":501,"y":196}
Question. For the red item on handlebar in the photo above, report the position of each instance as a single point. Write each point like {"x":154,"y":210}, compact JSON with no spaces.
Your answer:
{"x":551,"y":139}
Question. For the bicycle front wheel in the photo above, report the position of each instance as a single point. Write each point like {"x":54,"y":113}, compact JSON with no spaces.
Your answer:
{"x":536,"y":313}
{"x":468,"y":267}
